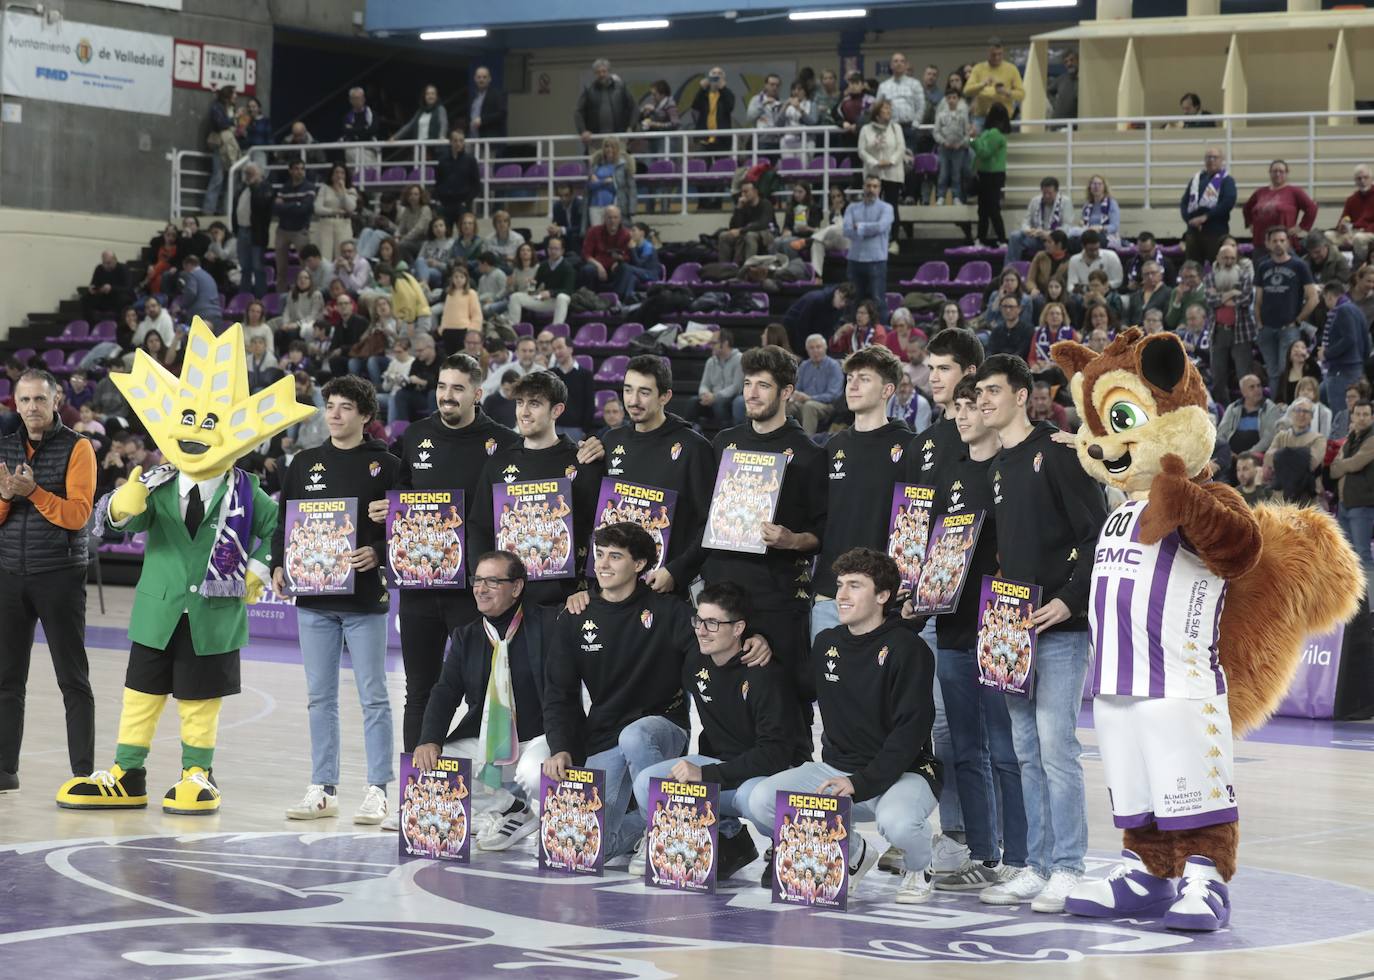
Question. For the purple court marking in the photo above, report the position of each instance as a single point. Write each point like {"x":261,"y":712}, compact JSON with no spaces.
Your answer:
{"x":282,"y":900}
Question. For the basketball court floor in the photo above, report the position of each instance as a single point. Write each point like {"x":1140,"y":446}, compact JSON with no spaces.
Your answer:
{"x":248,"y":893}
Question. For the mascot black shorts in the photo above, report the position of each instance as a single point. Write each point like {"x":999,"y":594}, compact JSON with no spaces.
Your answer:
{"x":179,"y":672}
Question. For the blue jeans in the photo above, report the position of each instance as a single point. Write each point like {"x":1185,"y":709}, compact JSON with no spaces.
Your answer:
{"x":1358,"y":525}
{"x":824,"y":615}
{"x":1044,"y":729}
{"x":254,"y":278}
{"x":951,"y":175}
{"x":428,"y":274}
{"x":1273,"y":344}
{"x":902,"y":813}
{"x":1337,"y":380}
{"x":985,"y":765}
{"x":322,"y":636}
{"x":1021,"y":245}
{"x":409,"y":403}
{"x":870,"y":281}
{"x":215,"y":189}
{"x":734,"y":803}
{"x":642,"y":744}
{"x":369,"y":240}
{"x":951,"y":807}
{"x":376,"y":367}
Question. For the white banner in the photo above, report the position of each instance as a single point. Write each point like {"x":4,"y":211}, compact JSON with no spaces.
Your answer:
{"x":87,"y":64}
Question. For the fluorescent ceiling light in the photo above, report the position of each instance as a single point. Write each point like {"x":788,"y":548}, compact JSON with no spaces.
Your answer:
{"x":632,"y":25}
{"x":453,"y":35}
{"x":1033,"y":4}
{"x":827,"y":14}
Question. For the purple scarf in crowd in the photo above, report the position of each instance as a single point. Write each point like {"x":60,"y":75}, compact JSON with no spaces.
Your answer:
{"x":1204,"y":197}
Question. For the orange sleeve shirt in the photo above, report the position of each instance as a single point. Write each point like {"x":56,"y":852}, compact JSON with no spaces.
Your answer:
{"x":73,"y":511}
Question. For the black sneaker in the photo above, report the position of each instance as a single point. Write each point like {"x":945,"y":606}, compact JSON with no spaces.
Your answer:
{"x":9,"y":781}
{"x":735,"y":853}
{"x":766,"y":879}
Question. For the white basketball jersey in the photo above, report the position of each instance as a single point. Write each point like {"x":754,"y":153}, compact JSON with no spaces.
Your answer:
{"x":1154,"y":613}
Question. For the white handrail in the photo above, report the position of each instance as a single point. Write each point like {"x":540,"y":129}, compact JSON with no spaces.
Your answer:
{"x":820,"y":146}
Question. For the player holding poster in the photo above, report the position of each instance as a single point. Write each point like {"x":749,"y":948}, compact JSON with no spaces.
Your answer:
{"x":947,"y":562}
{"x":424,"y":539}
{"x":436,"y":809}
{"x":1006,"y":635}
{"x":682,"y":836}
{"x":534,"y":521}
{"x":320,"y":535}
{"x":909,"y":530}
{"x":652,"y":508}
{"x":748,"y":485}
{"x":811,"y":856}
{"x":572,"y":822}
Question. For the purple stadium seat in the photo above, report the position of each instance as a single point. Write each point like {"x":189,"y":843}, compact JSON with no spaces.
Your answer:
{"x":25,"y":354}
{"x":238,"y":306}
{"x":72,"y":362}
{"x":590,"y":335}
{"x":559,"y":330}
{"x":722,"y":169}
{"x":976,"y":273}
{"x":791,"y":165}
{"x":926,"y":163}
{"x":696,"y":165}
{"x":894,"y":303}
{"x":537,"y":171}
{"x":272,"y":304}
{"x":584,"y":361}
{"x":53,"y":359}
{"x":396,"y":429}
{"x":104,"y":330}
{"x":523,"y":329}
{"x":687,"y":272}
{"x":507,"y":173}
{"x":660,"y":171}
{"x":760,"y":304}
{"x":624,"y":333}
{"x":613,"y":369}
{"x":77,"y":330}
{"x":602,"y":397}
{"x":930,"y":274}
{"x":1020,"y":266}
{"x":4,"y":388}
{"x":271,"y":269}
{"x":971,"y":305}
{"x":573,"y":168}
{"x":395,"y":175}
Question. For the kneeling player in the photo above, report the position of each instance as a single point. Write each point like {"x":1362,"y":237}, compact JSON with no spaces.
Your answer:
{"x":873,"y":677}
{"x":750,"y":727}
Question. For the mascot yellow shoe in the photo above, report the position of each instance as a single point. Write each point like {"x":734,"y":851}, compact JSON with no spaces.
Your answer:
{"x":209,"y":529}
{"x":112,"y":789}
{"x":194,"y":795}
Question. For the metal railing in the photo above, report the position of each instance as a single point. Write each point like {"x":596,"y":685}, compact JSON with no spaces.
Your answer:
{"x":1145,"y":159}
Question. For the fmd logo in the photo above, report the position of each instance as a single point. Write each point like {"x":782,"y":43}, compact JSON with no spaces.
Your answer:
{"x":51,"y":74}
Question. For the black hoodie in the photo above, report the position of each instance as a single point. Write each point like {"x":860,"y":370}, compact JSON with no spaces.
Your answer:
{"x":777,"y":577}
{"x":517,"y":463}
{"x":672,"y":457}
{"x":367,"y":471}
{"x":629,"y":656}
{"x":748,"y":719}
{"x":862,"y":469}
{"x":1049,"y":514}
{"x":436,"y":457}
{"x":931,"y":452}
{"x":877,"y":705}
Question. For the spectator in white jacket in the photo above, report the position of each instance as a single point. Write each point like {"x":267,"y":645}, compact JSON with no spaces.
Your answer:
{"x":882,"y":147}
{"x":155,"y":319}
{"x":1093,"y":256}
{"x":398,"y":367}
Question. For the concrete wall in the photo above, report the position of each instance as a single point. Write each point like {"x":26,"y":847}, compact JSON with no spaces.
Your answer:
{"x":77,"y":158}
{"x":46,"y":255}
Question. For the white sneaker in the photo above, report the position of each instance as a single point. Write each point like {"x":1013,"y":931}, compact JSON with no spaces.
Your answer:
{"x":315,"y":804}
{"x":640,"y":859}
{"x":863,"y":863}
{"x":486,"y":823}
{"x":1051,"y":897}
{"x":373,"y":809}
{"x":893,"y":861}
{"x":915,"y":889}
{"x":947,"y":855}
{"x":392,"y":821}
{"x":1018,"y":885}
{"x":511,"y":828}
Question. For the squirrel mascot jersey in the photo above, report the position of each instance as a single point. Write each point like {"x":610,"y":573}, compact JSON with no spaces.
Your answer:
{"x":1199,"y":609}
{"x":208,"y":527}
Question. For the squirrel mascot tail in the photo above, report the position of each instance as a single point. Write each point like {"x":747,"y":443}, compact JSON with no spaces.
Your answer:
{"x":1307,"y":580}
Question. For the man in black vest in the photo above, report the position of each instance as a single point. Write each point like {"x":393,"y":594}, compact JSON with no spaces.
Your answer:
{"x":47,"y":491}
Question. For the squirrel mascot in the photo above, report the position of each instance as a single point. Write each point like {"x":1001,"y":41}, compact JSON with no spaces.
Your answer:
{"x":1199,"y":609}
{"x":209,"y":526}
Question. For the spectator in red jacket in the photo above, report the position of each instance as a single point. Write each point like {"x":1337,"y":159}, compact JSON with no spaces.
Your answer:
{"x":1355,"y":230}
{"x":604,"y":248}
{"x":1278,"y":204}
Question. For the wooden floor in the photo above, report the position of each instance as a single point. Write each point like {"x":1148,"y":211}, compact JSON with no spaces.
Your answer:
{"x":246,"y":892}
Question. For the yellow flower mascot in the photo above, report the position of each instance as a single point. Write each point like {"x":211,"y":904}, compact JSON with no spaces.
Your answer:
{"x":209,"y":527}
